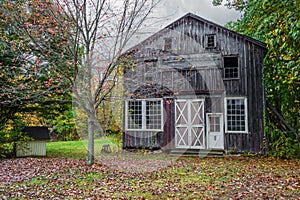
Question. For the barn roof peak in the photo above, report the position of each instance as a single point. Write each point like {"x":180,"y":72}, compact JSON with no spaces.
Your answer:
{"x":198,"y":18}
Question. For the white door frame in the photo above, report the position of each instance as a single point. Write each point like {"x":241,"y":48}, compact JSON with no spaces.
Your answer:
{"x":215,"y":138}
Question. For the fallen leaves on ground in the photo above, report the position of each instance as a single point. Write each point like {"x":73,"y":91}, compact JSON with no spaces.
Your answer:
{"x":150,"y":178}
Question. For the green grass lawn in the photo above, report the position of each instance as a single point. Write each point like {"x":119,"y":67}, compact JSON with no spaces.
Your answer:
{"x":78,"y":149}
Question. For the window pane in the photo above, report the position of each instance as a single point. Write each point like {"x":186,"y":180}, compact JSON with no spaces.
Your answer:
{"x":135,"y":114}
{"x":215,"y":124}
{"x":153,"y":114}
{"x":210,"y":41}
{"x":231,"y":68}
{"x":168,"y":44}
{"x":217,"y":128}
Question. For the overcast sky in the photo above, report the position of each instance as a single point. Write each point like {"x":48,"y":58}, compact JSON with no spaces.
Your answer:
{"x":170,"y":10}
{"x":204,"y":8}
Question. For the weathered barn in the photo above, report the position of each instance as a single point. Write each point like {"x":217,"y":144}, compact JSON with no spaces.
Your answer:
{"x":195,"y":85}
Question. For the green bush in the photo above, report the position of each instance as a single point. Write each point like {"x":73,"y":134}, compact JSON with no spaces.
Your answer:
{"x":65,"y":127}
{"x":10,"y":135}
{"x":116,"y":139}
{"x":282,"y":144}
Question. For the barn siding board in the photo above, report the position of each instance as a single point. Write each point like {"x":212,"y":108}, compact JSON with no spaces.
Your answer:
{"x":135,"y":138}
{"x":236,"y":138}
{"x":242,"y":142}
{"x":250,"y":87}
{"x":244,"y":64}
{"x":248,"y":139}
{"x":255,"y":123}
{"x":143,"y":139}
{"x":169,"y":126}
{"x":240,"y":145}
{"x":233,"y":140}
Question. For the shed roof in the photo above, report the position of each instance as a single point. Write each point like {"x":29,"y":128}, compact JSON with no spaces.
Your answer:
{"x":37,"y":132}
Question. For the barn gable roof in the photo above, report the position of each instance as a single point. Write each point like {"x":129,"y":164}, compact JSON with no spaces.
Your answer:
{"x":197,"y":18}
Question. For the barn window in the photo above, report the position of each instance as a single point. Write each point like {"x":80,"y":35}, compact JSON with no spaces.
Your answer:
{"x":148,"y":78}
{"x":168,"y":44}
{"x":236,"y":115}
{"x":144,"y":114}
{"x":210,"y":41}
{"x":231,"y":67}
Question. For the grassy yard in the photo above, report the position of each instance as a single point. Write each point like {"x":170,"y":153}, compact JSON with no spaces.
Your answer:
{"x":65,"y":175}
{"x":78,"y":149}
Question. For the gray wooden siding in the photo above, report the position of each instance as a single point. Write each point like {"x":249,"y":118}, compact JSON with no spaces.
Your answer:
{"x":143,"y":139}
{"x":252,"y":83}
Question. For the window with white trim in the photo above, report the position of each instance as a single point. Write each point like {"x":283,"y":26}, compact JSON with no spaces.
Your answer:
{"x":236,"y":115}
{"x":144,"y":114}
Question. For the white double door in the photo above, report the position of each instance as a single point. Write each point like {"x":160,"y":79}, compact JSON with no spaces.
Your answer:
{"x":190,"y":126}
{"x":189,"y":123}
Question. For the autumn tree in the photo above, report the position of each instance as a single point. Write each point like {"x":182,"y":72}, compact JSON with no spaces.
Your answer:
{"x":100,"y":30}
{"x":30,"y":85}
{"x":277,"y":23}
{"x":27,"y":76}
{"x":29,"y":82}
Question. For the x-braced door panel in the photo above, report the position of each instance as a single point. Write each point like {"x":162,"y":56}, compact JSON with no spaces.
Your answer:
{"x":189,"y":123}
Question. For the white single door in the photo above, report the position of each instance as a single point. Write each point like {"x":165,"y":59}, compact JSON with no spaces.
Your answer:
{"x":215,"y":134}
{"x":189,"y":123}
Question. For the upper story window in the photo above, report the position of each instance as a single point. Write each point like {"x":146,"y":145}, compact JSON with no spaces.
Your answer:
{"x":148,"y":78}
{"x":210,"y":41}
{"x":168,"y":44}
{"x":231,"y":67}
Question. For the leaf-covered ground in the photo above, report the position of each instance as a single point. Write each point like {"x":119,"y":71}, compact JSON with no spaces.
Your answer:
{"x":150,"y":177}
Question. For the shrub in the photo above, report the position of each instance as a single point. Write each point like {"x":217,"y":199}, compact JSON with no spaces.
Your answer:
{"x":10,"y":135}
{"x":282,"y":144}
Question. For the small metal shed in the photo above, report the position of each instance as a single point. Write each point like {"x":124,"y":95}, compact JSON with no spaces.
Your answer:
{"x":36,"y":147}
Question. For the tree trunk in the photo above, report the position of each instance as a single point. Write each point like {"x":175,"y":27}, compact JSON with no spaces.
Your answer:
{"x":91,"y":151}
{"x":92,"y":121}
{"x":93,"y":127}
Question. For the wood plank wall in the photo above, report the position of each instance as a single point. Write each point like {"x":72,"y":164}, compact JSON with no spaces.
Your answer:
{"x":143,"y":139}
